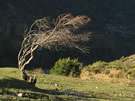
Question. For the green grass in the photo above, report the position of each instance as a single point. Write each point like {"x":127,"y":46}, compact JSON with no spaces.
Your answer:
{"x":60,"y":88}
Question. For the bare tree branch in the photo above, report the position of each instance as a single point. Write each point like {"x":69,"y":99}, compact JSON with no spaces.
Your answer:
{"x":53,"y":34}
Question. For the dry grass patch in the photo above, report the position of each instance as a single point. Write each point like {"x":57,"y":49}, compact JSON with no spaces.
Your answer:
{"x":39,"y":70}
{"x":114,"y":76}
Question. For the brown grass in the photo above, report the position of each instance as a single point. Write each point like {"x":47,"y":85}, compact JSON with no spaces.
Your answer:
{"x":86,"y":75}
{"x":39,"y":70}
{"x":114,"y":71}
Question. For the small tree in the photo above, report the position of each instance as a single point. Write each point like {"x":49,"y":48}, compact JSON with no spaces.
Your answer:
{"x":52,"y":34}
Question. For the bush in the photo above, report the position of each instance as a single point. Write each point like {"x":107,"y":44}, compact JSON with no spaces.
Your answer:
{"x":117,"y":65}
{"x":67,"y":67}
{"x":131,"y":72}
{"x":97,"y":67}
{"x":132,"y":66}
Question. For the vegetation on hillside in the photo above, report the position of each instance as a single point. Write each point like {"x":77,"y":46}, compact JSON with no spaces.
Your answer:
{"x":124,"y":68}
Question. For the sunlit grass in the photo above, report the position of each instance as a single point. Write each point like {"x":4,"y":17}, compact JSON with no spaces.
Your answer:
{"x":60,"y":88}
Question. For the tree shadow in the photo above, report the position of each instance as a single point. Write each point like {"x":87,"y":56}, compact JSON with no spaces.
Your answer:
{"x":36,"y":93}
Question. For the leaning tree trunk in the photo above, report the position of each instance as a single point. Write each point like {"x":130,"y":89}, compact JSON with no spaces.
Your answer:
{"x":52,"y":34}
{"x":22,"y":62}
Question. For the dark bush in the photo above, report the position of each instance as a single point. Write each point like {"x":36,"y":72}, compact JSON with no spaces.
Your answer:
{"x":67,"y":67}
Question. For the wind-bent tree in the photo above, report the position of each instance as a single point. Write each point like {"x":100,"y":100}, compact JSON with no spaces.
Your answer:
{"x":52,"y":34}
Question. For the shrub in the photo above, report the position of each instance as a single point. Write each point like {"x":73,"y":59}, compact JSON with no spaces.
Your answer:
{"x":131,"y":72}
{"x":132,"y":66}
{"x":67,"y":67}
{"x":97,"y":67}
{"x":117,"y":65}
{"x":122,"y":58}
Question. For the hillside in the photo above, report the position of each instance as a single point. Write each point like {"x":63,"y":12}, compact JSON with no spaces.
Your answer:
{"x":129,"y":60}
{"x":112,"y":26}
{"x":60,"y":88}
{"x":117,"y":71}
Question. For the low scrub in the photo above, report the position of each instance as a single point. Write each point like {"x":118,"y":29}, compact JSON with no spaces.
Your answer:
{"x":118,"y":64}
{"x":131,"y":72}
{"x":97,"y":67}
{"x":115,"y":69}
{"x":67,"y":67}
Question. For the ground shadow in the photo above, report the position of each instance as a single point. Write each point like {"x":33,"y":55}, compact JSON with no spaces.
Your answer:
{"x":45,"y":94}
{"x":37,"y":92}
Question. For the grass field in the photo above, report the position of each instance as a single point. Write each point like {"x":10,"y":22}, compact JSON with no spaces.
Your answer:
{"x":60,"y":88}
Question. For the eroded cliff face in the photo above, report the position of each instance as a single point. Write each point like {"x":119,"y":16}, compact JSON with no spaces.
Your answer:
{"x":113,"y":27}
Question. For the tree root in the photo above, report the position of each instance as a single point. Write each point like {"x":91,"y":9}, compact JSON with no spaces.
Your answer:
{"x":31,"y":79}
